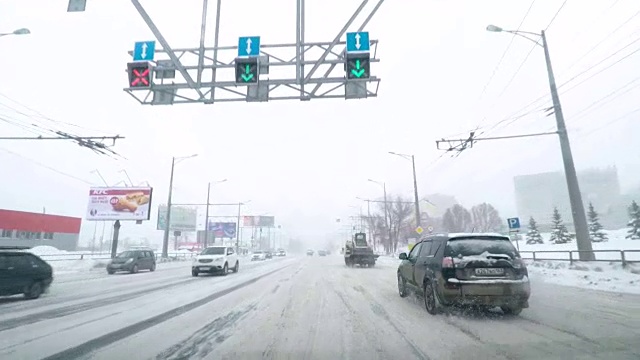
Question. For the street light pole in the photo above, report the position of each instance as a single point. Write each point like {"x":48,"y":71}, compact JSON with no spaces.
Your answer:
{"x":165,"y":239}
{"x":206,"y":220}
{"x":415,"y":185}
{"x":575,"y":196}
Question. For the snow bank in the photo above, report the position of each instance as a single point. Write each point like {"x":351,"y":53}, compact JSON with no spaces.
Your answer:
{"x":596,"y":276}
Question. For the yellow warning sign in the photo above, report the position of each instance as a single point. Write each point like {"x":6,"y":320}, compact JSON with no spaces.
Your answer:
{"x":419,"y":230}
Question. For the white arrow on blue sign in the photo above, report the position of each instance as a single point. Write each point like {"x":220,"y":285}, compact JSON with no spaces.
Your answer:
{"x":144,"y":50}
{"x":514,"y":223}
{"x":358,"y":41}
{"x":249,"y":46}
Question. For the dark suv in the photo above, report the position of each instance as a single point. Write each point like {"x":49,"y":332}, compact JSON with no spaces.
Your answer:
{"x":465,"y":269}
{"x":132,"y":261}
{"x":23,"y":273}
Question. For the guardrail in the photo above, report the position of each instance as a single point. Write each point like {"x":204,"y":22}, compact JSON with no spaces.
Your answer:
{"x":622,"y":256}
{"x":98,"y":256}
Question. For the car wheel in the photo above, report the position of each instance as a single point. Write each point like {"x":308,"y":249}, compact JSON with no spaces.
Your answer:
{"x":134,"y":269}
{"x":110,"y":272}
{"x":34,"y":290}
{"x":237,"y":267}
{"x":225,"y":270}
{"x":402,"y":286}
{"x":194,"y":273}
{"x":511,"y":310}
{"x":431,"y":302}
{"x":153,"y":267}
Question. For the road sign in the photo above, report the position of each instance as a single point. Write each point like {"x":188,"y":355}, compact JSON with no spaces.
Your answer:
{"x":430,"y":228}
{"x":358,"y":66}
{"x":247,"y":70}
{"x":514,"y":223}
{"x":358,"y":41}
{"x":139,"y":74}
{"x":249,"y":46}
{"x":419,"y":230}
{"x":144,"y":50}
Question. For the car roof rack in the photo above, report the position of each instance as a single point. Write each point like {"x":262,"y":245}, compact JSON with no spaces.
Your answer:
{"x":14,"y":247}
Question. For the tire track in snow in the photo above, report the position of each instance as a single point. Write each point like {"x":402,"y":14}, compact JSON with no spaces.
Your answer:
{"x":100,"y":342}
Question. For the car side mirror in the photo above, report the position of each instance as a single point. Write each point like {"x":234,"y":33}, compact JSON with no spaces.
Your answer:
{"x":403,"y":256}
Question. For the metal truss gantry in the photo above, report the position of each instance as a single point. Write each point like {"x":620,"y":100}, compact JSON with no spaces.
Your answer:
{"x":206,"y":74}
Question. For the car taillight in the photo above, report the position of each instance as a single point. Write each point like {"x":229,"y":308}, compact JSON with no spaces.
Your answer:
{"x":447,"y":263}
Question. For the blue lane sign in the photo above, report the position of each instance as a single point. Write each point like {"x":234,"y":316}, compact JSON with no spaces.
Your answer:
{"x":357,"y":41}
{"x":249,"y":46}
{"x":514,"y":223}
{"x":144,"y":50}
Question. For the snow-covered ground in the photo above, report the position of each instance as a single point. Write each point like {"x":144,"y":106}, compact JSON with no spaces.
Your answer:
{"x":304,"y":308}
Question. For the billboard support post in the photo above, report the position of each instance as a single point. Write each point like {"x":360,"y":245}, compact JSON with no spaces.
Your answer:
{"x":238,"y":230}
{"x":116,"y":235}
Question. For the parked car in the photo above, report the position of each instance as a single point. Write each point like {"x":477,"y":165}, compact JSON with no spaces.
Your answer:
{"x":133,"y":261}
{"x":216,"y":259}
{"x":24,"y":273}
{"x":258,"y":255}
{"x":268,"y":254}
{"x":281,"y":252}
{"x":310,"y":252}
{"x":322,"y":253}
{"x":483,"y":270}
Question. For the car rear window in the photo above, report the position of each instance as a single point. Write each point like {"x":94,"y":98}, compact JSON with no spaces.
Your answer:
{"x":478,"y":245}
{"x":213,"y":251}
{"x":360,"y":240}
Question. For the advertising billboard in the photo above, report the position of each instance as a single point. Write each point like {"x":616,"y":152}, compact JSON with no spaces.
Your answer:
{"x":223,"y":229}
{"x":119,"y":203}
{"x":182,"y":218}
{"x":258,"y":221}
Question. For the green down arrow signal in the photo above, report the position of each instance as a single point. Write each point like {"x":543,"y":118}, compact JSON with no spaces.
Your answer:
{"x":247,"y":76}
{"x":358,"y":71}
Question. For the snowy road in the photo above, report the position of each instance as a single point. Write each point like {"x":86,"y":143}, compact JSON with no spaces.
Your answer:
{"x":302,"y":308}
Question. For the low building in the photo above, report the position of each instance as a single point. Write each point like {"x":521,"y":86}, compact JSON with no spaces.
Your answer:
{"x":19,"y":228}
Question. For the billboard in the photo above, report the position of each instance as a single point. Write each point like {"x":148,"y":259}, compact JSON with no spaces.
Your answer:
{"x":119,"y":203}
{"x":258,"y":221}
{"x":223,"y":229}
{"x":182,"y":218}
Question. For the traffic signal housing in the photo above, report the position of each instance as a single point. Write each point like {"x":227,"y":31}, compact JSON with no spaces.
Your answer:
{"x":358,"y":66}
{"x":139,"y":74}
{"x":246,"y":70}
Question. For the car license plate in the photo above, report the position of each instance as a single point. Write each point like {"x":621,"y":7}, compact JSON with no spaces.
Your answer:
{"x":205,"y":267}
{"x":490,"y":271}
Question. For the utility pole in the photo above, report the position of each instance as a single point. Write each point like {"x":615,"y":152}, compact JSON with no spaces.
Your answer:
{"x":206,"y":220}
{"x":415,"y":185}
{"x":165,"y":239}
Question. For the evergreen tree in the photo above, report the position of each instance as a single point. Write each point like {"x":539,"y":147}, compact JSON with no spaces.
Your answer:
{"x":559,"y":232}
{"x":533,"y":235}
{"x":595,"y":228}
{"x":634,"y":222}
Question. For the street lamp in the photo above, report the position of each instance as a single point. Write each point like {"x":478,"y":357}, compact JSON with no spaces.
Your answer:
{"x":575,"y":197}
{"x":387,"y":214}
{"x":238,"y":229}
{"x":415,"y":184}
{"x":165,"y":239}
{"x":21,"y":31}
{"x":206,"y":220}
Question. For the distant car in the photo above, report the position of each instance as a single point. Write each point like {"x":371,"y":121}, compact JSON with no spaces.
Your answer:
{"x":309,"y":252}
{"x":216,"y":259}
{"x":132,"y":261}
{"x":24,"y":273}
{"x":258,"y":256}
{"x":466,"y":269}
{"x":322,"y":253}
{"x":268,"y":254}
{"x":281,"y":252}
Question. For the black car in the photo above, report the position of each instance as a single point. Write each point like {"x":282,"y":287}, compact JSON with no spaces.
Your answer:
{"x":268,"y":254}
{"x":23,"y":273}
{"x":481,"y":270}
{"x":132,"y":261}
{"x":322,"y":253}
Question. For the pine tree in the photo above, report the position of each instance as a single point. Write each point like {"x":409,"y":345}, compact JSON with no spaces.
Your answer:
{"x":559,"y":232}
{"x":595,"y":228}
{"x":533,"y":235}
{"x":634,"y":222}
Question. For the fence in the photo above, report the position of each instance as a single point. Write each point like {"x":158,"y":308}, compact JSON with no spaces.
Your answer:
{"x":622,"y":256}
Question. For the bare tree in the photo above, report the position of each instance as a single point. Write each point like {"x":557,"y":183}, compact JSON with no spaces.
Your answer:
{"x":400,"y":211}
{"x":486,"y":218}
{"x":457,"y":219}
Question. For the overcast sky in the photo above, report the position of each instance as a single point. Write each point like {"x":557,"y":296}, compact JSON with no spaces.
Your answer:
{"x":306,"y":162}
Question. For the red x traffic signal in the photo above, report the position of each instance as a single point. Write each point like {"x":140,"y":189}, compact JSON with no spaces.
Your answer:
{"x":139,"y":74}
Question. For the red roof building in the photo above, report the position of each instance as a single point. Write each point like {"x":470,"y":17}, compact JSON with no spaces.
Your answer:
{"x":34,"y":229}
